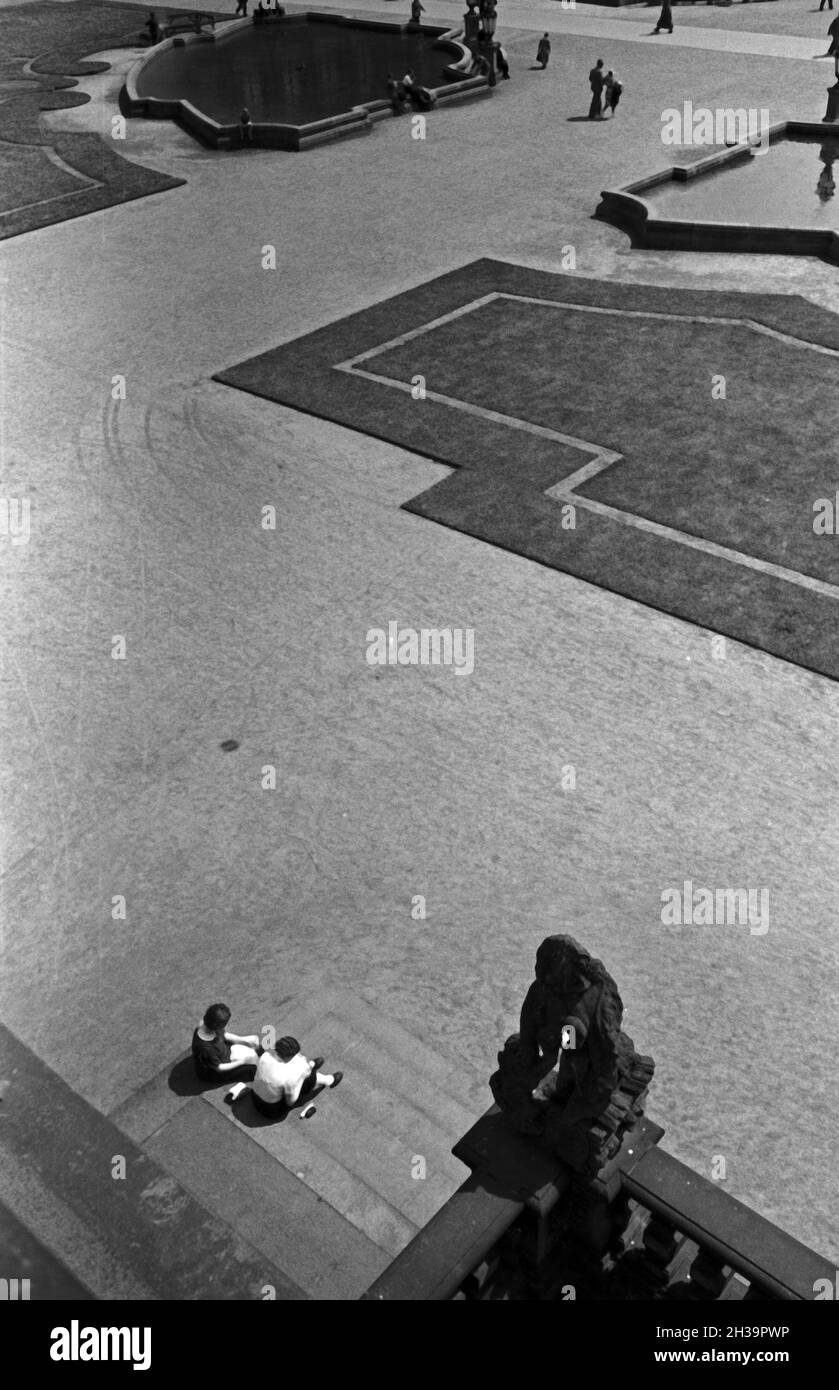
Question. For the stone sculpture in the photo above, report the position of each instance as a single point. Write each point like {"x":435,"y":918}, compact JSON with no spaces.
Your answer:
{"x":571,"y":1076}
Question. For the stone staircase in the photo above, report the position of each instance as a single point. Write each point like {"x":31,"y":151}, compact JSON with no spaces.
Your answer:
{"x":217,"y":1201}
{"x":330,"y":1200}
{"x":97,"y":1209}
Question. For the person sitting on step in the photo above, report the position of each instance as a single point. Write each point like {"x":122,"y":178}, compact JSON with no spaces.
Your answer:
{"x":284,"y":1077}
{"x":217,"y":1052}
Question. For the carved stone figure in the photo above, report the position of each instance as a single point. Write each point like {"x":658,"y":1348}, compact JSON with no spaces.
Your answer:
{"x":571,"y":1076}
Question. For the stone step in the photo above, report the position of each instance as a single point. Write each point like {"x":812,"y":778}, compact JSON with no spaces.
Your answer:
{"x":459,"y":1089}
{"x":377,"y":1095}
{"x":66,"y":1236}
{"x":156,"y":1102}
{"x":437,"y":1088}
{"x":160,"y":1098}
{"x":300,"y":1016}
{"x":404,"y":1065}
{"x":154,"y":1233}
{"x":390,"y":1108}
{"x":38,"y":1274}
{"x":397,"y":1103}
{"x":301,"y":1147}
{"x":264,"y":1202}
{"x":345,"y":1130}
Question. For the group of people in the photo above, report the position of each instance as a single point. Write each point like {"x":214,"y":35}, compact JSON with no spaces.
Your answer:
{"x":405,"y":92}
{"x":282,"y":1077}
{"x":605,"y":87}
{"x":605,"y":92}
{"x":260,"y":10}
{"x":480,"y":63}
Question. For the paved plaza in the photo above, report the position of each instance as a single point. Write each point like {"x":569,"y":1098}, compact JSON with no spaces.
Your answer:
{"x":392,"y":782}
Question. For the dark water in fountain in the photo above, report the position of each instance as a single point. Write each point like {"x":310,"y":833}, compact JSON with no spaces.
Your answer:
{"x":291,"y":73}
{"x":792,"y":185}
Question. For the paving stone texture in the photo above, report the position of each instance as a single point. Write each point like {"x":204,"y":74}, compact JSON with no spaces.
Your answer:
{"x":391,"y":782}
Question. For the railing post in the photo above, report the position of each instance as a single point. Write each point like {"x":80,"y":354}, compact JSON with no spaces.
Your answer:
{"x":707,"y":1274}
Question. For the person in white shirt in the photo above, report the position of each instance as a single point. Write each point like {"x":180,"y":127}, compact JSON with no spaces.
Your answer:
{"x":284,"y":1077}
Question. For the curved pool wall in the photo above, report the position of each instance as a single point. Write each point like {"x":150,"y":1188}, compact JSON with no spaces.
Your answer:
{"x":627,"y":209}
{"x":358,"y":120}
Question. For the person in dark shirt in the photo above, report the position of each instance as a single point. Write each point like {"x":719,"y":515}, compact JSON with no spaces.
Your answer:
{"x":543,"y":52}
{"x":218,"y":1052}
{"x":396,"y":94}
{"x":420,"y":97}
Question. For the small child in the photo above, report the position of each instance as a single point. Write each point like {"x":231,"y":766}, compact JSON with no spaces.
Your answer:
{"x":612,"y":89}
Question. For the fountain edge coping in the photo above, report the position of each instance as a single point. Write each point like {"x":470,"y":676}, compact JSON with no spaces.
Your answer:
{"x":626,"y":209}
{"x":277,"y":135}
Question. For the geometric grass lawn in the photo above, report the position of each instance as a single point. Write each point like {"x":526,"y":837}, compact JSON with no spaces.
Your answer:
{"x":589,"y":430}
{"x":48,"y":175}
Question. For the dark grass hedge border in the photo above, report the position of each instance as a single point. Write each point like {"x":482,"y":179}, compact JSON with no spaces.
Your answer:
{"x":497,"y":494}
{"x":119,"y":182}
{"x":57,"y":37}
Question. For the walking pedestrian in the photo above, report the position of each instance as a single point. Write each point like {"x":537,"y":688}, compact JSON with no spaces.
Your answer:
{"x":242,"y":7}
{"x":665,"y":19}
{"x":543,"y":52}
{"x":245,"y":127}
{"x":833,"y":35}
{"x":595,"y":81}
{"x":416,"y":10}
{"x":829,"y":5}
